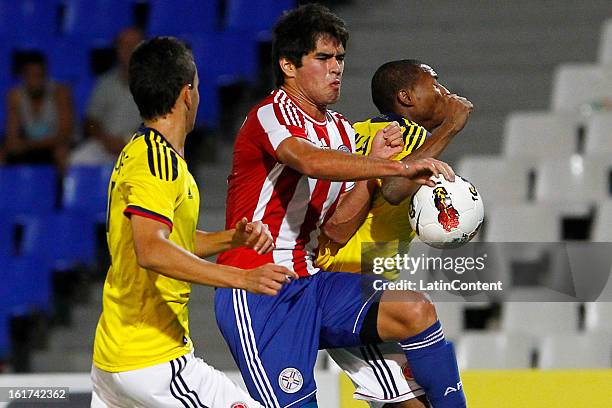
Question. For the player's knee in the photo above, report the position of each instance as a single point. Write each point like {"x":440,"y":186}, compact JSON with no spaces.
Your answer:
{"x":399,"y":320}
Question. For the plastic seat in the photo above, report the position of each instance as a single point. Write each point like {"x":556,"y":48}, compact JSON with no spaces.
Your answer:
{"x":100,"y":19}
{"x":537,"y":318}
{"x":492,"y":176}
{"x":186,"y":16}
{"x":62,"y":240}
{"x":255,"y":15}
{"x":522,"y":223}
{"x":27,"y":189}
{"x":21,"y":19}
{"x":500,"y":351}
{"x":601,"y":229}
{"x":599,"y":134}
{"x":86,"y":190}
{"x":581,"y":180}
{"x":598,"y":316}
{"x":577,"y":86}
{"x":605,"y":43}
{"x":571,"y":351}
{"x":540,"y":134}
{"x":26,"y":284}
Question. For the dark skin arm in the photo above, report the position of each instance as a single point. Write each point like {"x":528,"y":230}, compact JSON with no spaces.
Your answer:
{"x":250,"y":234}
{"x":354,"y":205}
{"x":397,"y":189}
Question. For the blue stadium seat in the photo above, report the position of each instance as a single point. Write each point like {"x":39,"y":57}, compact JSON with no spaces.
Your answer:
{"x":24,"y":18}
{"x":27,"y":189}
{"x":100,"y":19}
{"x":255,"y":15}
{"x":170,"y":17}
{"x":85,"y":190}
{"x":63,"y":240}
{"x":26,"y":285}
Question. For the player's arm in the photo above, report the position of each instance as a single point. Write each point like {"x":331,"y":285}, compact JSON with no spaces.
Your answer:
{"x":334,"y":165}
{"x":397,"y":189}
{"x":249,"y":234}
{"x":155,"y":252}
{"x":353,"y":206}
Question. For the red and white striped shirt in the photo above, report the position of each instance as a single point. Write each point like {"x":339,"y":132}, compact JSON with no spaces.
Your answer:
{"x":262,"y":188}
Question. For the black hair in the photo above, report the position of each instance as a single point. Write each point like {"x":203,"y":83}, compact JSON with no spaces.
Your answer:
{"x":21,"y":58}
{"x":159,"y":69}
{"x":297,"y":31}
{"x":389,"y":78}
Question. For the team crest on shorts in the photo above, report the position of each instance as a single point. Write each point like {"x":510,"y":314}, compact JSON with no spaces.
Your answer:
{"x":290,"y":380}
{"x":239,"y":405}
{"x":407,"y":372}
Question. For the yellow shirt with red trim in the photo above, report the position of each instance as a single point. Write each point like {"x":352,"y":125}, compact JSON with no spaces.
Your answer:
{"x":144,"y":318}
{"x":384,"y":223}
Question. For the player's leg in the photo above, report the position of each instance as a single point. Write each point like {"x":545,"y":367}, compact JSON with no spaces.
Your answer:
{"x":381,"y":375}
{"x":410,"y":318}
{"x":274,"y":341}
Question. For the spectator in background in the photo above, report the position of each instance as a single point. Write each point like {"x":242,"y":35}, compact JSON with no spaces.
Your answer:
{"x":40,"y":117}
{"x":112,"y":116}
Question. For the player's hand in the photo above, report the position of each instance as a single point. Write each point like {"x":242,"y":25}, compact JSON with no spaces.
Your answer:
{"x":268,"y":279}
{"x":254,"y":235}
{"x":421,"y":170}
{"x":387,"y":142}
{"x":458,"y":110}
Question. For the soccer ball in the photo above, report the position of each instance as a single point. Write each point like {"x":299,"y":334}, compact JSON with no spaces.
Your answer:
{"x":447,"y":215}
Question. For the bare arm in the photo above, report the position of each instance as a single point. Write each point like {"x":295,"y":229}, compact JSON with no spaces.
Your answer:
{"x":13,"y":141}
{"x":351,"y":211}
{"x":249,"y":234}
{"x":155,"y":251}
{"x":397,"y":189}
{"x":354,"y":205}
{"x":113,"y":143}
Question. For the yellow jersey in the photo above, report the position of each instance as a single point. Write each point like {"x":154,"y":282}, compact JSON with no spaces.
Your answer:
{"x":144,"y":318}
{"x":385,"y":224}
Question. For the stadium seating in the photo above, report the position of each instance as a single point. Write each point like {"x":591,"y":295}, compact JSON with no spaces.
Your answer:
{"x":494,"y":351}
{"x":26,"y":284}
{"x":577,"y":86}
{"x":540,"y":134}
{"x":536,"y":318}
{"x":186,"y":16}
{"x":99,"y":19}
{"x":605,"y":43}
{"x":27,"y":189}
{"x":255,"y":15}
{"x":21,"y":19}
{"x":573,"y":180}
{"x":572,"y":351}
{"x":62,"y":240}
{"x":598,"y":316}
{"x":85,"y":191}
{"x":500,"y":180}
{"x":517,"y":223}
{"x":599,"y":133}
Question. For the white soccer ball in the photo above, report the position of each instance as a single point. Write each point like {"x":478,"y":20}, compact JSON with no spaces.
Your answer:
{"x":447,"y":215}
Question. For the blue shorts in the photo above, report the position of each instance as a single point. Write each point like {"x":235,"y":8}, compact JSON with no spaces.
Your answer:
{"x":275,"y":339}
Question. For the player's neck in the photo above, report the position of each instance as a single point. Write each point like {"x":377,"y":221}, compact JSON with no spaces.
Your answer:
{"x":173,"y":131}
{"x":308,"y":106}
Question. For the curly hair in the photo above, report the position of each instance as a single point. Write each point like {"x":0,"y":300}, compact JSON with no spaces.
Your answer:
{"x":297,"y":31}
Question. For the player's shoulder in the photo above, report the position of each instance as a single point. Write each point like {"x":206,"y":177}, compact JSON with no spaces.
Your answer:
{"x":278,"y":108}
{"x":153,"y":154}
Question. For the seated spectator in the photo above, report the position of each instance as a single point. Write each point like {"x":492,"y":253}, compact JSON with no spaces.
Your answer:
{"x":112,"y":116}
{"x":39,"y":117}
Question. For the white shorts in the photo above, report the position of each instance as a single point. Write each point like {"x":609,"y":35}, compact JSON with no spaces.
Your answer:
{"x":380,"y":373}
{"x":185,"y":382}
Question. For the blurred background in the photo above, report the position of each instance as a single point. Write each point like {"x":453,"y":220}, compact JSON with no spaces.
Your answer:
{"x":538,"y":146}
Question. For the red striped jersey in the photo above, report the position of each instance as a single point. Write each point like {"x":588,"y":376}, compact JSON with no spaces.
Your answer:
{"x":262,"y":188}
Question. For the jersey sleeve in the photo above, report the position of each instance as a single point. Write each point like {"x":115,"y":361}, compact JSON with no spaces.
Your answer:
{"x":279,"y":123}
{"x":150,"y":184}
{"x":414,"y":136}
